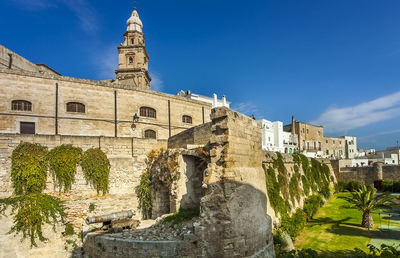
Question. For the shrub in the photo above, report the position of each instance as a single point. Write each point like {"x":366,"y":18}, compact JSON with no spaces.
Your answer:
{"x":29,"y":168}
{"x":294,"y":224}
{"x":92,"y":207}
{"x":312,"y":204}
{"x":340,"y":187}
{"x":353,"y":186}
{"x":325,"y":191}
{"x":31,"y":211}
{"x":96,"y":169}
{"x":63,"y":161}
{"x":69,"y":230}
{"x":391,"y":186}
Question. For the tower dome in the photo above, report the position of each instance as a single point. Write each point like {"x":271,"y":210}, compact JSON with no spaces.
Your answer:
{"x":134,"y":23}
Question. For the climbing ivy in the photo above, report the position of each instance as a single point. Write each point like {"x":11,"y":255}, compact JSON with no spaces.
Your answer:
{"x":294,"y":187}
{"x":273,"y":188}
{"x":282,"y":175}
{"x":143,"y":193}
{"x":161,"y":168}
{"x":63,"y":161}
{"x":282,"y":187}
{"x":29,"y":168}
{"x":31,"y":211}
{"x":96,"y":169}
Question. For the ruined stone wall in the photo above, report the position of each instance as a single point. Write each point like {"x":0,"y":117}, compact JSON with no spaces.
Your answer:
{"x":127,"y":157}
{"x":234,"y":221}
{"x":198,"y":135}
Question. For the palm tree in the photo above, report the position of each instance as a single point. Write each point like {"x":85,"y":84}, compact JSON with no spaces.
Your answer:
{"x":366,"y":200}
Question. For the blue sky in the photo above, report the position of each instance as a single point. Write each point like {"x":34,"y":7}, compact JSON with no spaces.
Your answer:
{"x":334,"y":63}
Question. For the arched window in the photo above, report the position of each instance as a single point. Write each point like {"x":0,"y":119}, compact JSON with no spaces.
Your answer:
{"x":21,"y":105}
{"x":150,"y":134}
{"x":130,"y":60}
{"x":187,"y":119}
{"x":75,"y":107}
{"x":148,"y":112}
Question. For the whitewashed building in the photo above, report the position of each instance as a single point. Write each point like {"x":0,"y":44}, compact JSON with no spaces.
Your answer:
{"x":214,"y":101}
{"x":275,"y":139}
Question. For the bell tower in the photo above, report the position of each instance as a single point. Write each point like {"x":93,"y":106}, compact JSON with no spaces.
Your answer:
{"x":132,"y":54}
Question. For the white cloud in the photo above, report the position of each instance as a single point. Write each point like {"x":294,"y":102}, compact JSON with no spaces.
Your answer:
{"x":379,"y":134}
{"x":156,"y":83}
{"x":247,"y":108}
{"x":337,"y":120}
{"x":85,"y":13}
{"x":81,"y":8}
{"x":106,"y":63}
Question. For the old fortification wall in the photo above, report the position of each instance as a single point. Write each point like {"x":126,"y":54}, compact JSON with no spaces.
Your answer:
{"x":127,"y":157}
{"x":268,"y":161}
{"x":369,"y":174}
{"x":233,"y":218}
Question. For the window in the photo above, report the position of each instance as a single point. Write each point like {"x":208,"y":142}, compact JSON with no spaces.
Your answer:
{"x":130,"y":60}
{"x":150,"y":134}
{"x":307,"y":130}
{"x":27,"y":128}
{"x":21,"y":105}
{"x":333,"y":141}
{"x":148,"y":112}
{"x":327,"y":141}
{"x":319,"y":133}
{"x":75,"y":107}
{"x":187,"y":119}
{"x":131,"y":41}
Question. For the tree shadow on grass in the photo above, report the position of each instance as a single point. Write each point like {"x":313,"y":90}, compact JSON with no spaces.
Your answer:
{"x":329,"y":220}
{"x":350,"y":230}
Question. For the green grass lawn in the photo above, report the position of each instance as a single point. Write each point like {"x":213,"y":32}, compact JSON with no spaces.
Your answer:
{"x":337,"y":227}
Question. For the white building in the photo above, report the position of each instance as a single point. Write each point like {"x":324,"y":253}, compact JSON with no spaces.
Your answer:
{"x":214,"y":101}
{"x":275,"y":139}
{"x":351,"y":150}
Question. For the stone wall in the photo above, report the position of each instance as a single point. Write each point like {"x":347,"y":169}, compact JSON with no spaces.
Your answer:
{"x":108,"y":107}
{"x":127,"y":157}
{"x":268,"y":160}
{"x":369,"y":174}
{"x":198,"y":135}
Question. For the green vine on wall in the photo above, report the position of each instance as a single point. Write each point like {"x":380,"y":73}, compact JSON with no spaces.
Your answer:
{"x":29,"y":168}
{"x":316,"y":179}
{"x":31,"y":209}
{"x":96,"y":169}
{"x":161,"y":168}
{"x":63,"y":161}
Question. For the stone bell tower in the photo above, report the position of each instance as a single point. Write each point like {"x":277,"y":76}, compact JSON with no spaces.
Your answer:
{"x":133,"y":57}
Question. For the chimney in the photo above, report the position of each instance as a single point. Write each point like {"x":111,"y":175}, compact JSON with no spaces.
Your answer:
{"x":293,"y":124}
{"x":215,"y":100}
{"x":223,"y":101}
